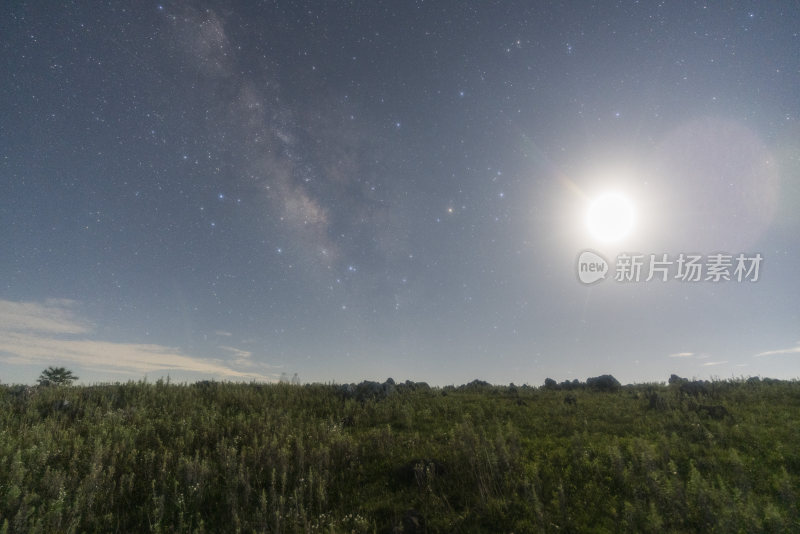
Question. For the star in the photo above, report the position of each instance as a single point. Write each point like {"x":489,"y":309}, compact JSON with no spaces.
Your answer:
{"x":307,"y":159}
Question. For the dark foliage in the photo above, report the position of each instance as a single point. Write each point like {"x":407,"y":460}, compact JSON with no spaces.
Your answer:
{"x":476,"y":385}
{"x":369,"y":390}
{"x":606,"y":383}
{"x":418,"y":472}
{"x":695,"y":388}
{"x":676,"y":380}
{"x":717,"y":412}
{"x":570,"y":386}
{"x":656,"y":401}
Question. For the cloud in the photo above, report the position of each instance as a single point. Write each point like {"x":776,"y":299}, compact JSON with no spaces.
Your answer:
{"x":222,"y":333}
{"x":53,"y":317}
{"x":243,"y":359}
{"x":239,"y":353}
{"x":51,"y":333}
{"x":707,"y":364}
{"x":790,"y":350}
{"x":691,"y":355}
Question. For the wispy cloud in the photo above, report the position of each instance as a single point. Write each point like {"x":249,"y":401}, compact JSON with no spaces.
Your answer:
{"x":689,"y":355}
{"x":54,"y":316}
{"x":52,"y":333}
{"x":243,"y":358}
{"x":708,"y":364}
{"x":239,"y":353}
{"x":790,"y":350}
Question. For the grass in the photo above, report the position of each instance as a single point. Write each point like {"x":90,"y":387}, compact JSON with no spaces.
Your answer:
{"x":225,"y":457}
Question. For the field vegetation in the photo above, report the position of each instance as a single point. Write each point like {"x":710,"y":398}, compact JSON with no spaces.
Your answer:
{"x":685,"y":456}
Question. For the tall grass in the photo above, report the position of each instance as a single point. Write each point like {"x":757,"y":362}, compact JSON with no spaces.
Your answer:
{"x":224,"y":457}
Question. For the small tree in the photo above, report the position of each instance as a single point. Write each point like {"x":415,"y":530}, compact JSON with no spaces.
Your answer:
{"x":57,"y":376}
{"x":549,"y":383}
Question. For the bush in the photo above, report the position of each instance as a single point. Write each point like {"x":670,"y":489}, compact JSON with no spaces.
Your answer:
{"x":605,"y":383}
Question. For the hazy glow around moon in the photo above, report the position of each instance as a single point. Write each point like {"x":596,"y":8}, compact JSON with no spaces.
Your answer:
{"x":610,"y":217}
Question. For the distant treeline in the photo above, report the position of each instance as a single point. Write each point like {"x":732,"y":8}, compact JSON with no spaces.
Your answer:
{"x":605,"y":383}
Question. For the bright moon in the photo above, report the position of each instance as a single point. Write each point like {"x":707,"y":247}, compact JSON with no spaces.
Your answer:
{"x":610,"y":217}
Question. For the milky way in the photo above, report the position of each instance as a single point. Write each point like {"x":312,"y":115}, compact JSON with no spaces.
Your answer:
{"x":353,"y":192}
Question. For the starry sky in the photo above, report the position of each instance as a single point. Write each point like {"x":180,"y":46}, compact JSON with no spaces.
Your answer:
{"x":358,"y":190}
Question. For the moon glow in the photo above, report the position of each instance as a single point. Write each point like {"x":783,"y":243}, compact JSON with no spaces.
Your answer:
{"x":610,"y":217}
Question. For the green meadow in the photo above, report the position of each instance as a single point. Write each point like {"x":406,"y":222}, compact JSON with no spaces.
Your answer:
{"x":229,"y":457}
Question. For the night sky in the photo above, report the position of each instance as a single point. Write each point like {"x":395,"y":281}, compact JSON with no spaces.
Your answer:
{"x":359,"y":190}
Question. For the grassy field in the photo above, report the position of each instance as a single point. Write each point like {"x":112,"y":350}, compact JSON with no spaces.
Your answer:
{"x":223,"y":457}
